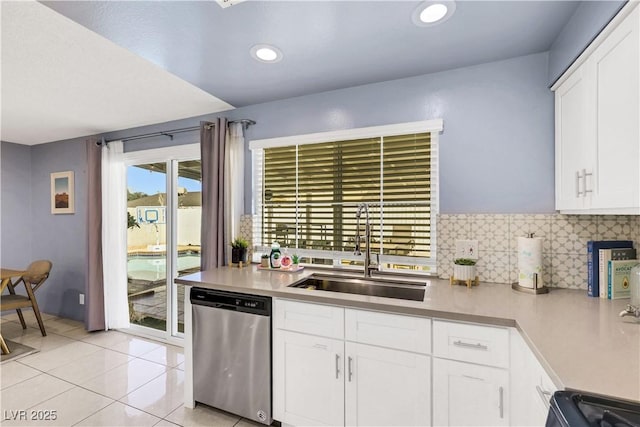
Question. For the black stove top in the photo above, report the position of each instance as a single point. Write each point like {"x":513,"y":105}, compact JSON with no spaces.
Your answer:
{"x":571,"y":408}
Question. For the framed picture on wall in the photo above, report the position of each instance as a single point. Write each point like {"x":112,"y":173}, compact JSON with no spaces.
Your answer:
{"x":62,"y":193}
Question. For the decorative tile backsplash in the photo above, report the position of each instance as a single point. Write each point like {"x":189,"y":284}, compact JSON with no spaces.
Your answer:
{"x":564,"y":246}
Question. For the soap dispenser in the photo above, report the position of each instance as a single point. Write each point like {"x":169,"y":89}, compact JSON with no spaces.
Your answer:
{"x":274,"y":257}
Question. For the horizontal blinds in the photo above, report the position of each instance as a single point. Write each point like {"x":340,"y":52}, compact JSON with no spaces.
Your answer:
{"x":311,"y":192}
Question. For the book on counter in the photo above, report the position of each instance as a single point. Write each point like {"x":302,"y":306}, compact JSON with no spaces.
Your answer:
{"x":619,"y":276}
{"x":605,"y":256}
{"x":593,"y":254}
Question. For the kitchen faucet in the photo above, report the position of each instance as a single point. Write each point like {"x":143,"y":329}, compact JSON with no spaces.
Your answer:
{"x":367,"y":237}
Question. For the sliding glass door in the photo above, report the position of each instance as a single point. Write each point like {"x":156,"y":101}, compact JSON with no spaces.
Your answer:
{"x":163,"y":237}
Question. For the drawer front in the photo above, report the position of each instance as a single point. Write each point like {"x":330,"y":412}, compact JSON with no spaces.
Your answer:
{"x":484,"y":345}
{"x":388,"y":330}
{"x":316,"y":319}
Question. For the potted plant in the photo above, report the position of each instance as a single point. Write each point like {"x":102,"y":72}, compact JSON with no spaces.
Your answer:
{"x":264,"y":261}
{"x":464,"y":269}
{"x":295,"y":259}
{"x":239,"y":250}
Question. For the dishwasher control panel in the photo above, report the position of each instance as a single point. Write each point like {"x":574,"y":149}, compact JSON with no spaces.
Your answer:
{"x":254,"y":304}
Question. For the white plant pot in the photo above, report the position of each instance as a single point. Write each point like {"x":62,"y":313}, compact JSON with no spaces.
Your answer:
{"x":464,"y":272}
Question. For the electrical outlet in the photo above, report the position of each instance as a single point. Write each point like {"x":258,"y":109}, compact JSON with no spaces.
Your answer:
{"x":81,"y":299}
{"x":467,"y":249}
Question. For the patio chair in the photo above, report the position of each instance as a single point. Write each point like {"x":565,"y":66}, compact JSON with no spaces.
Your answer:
{"x":37,"y":274}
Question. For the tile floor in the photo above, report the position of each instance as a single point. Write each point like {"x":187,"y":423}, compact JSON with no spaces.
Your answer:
{"x":96,"y":379}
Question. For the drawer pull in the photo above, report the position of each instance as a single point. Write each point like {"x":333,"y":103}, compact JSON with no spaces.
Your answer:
{"x":473,"y":378}
{"x":545,"y":396}
{"x":320,"y":346}
{"x":337,"y":366}
{"x":476,"y":346}
{"x":501,"y":391}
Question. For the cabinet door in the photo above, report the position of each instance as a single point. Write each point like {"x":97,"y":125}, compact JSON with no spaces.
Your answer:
{"x":574,"y":143}
{"x":386,"y":387}
{"x":616,"y":67}
{"x":469,"y":395}
{"x":308,"y":380}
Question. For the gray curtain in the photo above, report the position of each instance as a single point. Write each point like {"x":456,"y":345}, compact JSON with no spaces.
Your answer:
{"x":212,"y":151}
{"x":94,"y":319}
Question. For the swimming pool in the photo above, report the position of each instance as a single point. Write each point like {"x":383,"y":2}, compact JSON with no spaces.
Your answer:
{"x":154,"y":267}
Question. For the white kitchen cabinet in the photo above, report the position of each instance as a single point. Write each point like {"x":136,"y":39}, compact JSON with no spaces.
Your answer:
{"x":465,"y":394}
{"x":597,"y":114}
{"x":386,"y":387}
{"x":531,"y":386}
{"x":325,"y":380}
{"x":308,"y":379}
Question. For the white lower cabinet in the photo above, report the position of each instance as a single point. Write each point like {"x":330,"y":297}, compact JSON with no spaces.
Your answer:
{"x":308,"y":379}
{"x":465,"y":394}
{"x":386,"y":387}
{"x":332,"y":381}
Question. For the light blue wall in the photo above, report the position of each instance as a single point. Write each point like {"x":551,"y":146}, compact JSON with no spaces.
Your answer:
{"x":15,"y":227}
{"x":587,"y":21}
{"x":60,"y":238}
{"x":496,"y":151}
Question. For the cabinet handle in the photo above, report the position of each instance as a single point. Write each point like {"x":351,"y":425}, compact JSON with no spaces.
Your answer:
{"x":337,"y":366}
{"x":578,"y":176}
{"x":476,"y":346}
{"x":350,"y":360}
{"x":584,"y":178}
{"x":501,"y":391}
{"x":320,"y":346}
{"x":544,"y":395}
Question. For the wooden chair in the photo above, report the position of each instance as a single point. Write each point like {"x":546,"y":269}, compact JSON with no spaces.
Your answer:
{"x":37,"y":273}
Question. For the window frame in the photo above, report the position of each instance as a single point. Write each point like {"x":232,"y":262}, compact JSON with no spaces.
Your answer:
{"x":434,"y":127}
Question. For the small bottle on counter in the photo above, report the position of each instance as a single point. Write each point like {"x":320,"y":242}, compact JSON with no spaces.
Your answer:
{"x":275,"y":255}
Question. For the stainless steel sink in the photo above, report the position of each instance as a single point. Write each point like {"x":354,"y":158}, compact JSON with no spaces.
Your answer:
{"x":370,"y":286}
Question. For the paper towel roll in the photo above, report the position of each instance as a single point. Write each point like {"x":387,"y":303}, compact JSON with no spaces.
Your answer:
{"x":529,"y":261}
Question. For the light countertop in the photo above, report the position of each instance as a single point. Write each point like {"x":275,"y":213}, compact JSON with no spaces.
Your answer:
{"x":581,"y":341}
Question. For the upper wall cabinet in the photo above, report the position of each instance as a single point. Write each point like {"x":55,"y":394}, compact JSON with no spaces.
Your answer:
{"x":597,"y":115}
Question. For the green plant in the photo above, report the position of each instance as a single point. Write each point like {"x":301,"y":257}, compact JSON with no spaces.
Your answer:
{"x":131,"y":221}
{"x":295,"y":259}
{"x":239,"y":243}
{"x":265,"y":256}
{"x":464,"y":261}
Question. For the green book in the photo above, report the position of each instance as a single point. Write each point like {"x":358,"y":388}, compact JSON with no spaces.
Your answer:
{"x":619,"y":276}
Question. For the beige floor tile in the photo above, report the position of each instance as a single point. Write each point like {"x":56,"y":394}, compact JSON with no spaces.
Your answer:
{"x":13,"y":373}
{"x":28,"y":316}
{"x":50,"y":342}
{"x":61,"y":325}
{"x":75,"y":333}
{"x":167,"y":355}
{"x":67,"y":408}
{"x":124,"y":379}
{"x":46,"y":361}
{"x":202,"y":416}
{"x":119,"y":414}
{"x":165,"y":423}
{"x":161,"y":396}
{"x":248,"y":423}
{"x":105,"y":339}
{"x":90,"y":366}
{"x":31,"y":392}
{"x":135,"y":346}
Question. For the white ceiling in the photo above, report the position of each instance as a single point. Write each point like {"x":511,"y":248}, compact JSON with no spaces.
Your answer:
{"x":61,"y":80}
{"x":75,"y":68}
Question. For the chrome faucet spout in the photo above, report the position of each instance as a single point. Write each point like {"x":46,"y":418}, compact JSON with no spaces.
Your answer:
{"x":363,"y":207}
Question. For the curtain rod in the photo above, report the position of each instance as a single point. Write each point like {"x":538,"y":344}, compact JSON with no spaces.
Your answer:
{"x":245,"y":123}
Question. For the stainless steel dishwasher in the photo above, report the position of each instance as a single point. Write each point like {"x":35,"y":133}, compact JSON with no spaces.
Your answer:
{"x":232,"y":352}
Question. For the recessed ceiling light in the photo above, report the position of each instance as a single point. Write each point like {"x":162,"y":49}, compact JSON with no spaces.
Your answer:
{"x":433,"y":12}
{"x":266,"y":53}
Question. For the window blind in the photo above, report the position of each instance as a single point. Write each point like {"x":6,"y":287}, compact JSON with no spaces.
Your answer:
{"x":310,"y":192}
